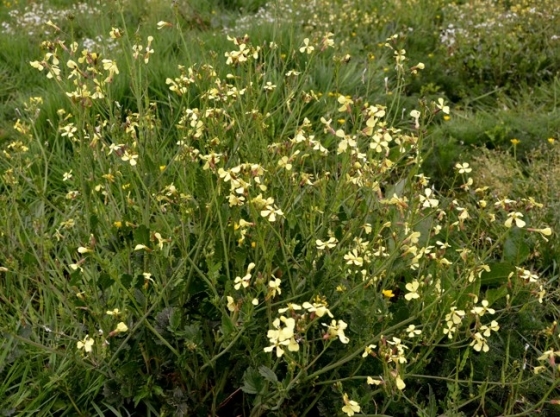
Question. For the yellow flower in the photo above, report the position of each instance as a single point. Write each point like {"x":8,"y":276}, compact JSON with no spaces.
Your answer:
{"x":479,"y":343}
{"x":231,"y":306}
{"x":427,"y":200}
{"x":280,"y":337}
{"x":415,"y":114}
{"x":318,"y":308}
{"x":291,"y":307}
{"x":480,"y":311}
{"x":162,"y":24}
{"x":86,"y":344}
{"x":419,"y":66}
{"x":412,"y":331}
{"x":441,"y":105}
{"x":487,"y":330}
{"x":412,"y":287}
{"x":527,"y":275}
{"x":372,"y":381}
{"x":463,"y":168}
{"x":271,"y":212}
{"x":350,"y":407}
{"x":388,"y":293}
{"x":239,"y":282}
{"x":400,"y":383}
{"x":337,"y":330}
{"x":515,"y":142}
{"x":115,"y":33}
{"x":540,"y":294}
{"x":160,"y":240}
{"x":306,"y":48}
{"x":538,"y":369}
{"x":353,"y":258}
{"x":368,"y":351}
{"x":329,"y":244}
{"x":130,"y":158}
{"x":121,"y":328}
{"x":549,"y":355}
{"x":345,"y":102}
{"x":547,"y":231}
{"x":515,"y":216}
{"x":274,"y":287}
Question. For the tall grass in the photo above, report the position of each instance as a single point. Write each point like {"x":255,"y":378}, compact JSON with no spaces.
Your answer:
{"x":208,"y":223}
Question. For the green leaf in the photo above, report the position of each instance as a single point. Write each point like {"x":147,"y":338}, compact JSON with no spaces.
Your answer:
{"x":29,"y":259}
{"x":140,"y":298}
{"x":499,"y":271}
{"x":516,"y":249}
{"x":142,"y":235}
{"x":424,"y":226}
{"x":253,"y":382}
{"x":493,"y":295}
{"x":126,"y":280}
{"x":192,"y":333}
{"x":175,"y":320}
{"x":93,"y":222}
{"x":397,"y":189}
{"x":464,"y":359}
{"x":227,"y":325}
{"x":105,"y":281}
{"x":76,"y":277}
{"x":268,"y":374}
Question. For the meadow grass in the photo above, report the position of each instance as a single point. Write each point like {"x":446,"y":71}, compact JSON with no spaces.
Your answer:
{"x":241,"y":207}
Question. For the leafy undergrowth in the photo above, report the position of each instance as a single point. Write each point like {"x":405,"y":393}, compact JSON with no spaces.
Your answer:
{"x":230,"y":224}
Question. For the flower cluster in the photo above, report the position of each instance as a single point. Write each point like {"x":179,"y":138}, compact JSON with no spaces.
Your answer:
{"x":289,"y":332}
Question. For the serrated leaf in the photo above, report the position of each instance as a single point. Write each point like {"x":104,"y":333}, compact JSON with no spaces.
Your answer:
{"x":432,"y":402}
{"x":175,"y":320}
{"x":192,"y":333}
{"x":105,"y":281}
{"x":253,"y":382}
{"x":464,"y":359}
{"x":227,"y":325}
{"x":268,"y":374}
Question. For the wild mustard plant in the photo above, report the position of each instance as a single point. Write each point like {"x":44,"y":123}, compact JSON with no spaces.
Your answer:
{"x":271,"y":248}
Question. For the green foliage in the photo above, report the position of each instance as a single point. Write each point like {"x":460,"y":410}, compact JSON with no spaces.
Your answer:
{"x":501,"y":44}
{"x":197,"y":223}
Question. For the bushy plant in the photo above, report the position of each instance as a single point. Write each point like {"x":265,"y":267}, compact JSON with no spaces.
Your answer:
{"x":536,"y":175}
{"x":500,"y":44}
{"x":246,"y":237}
